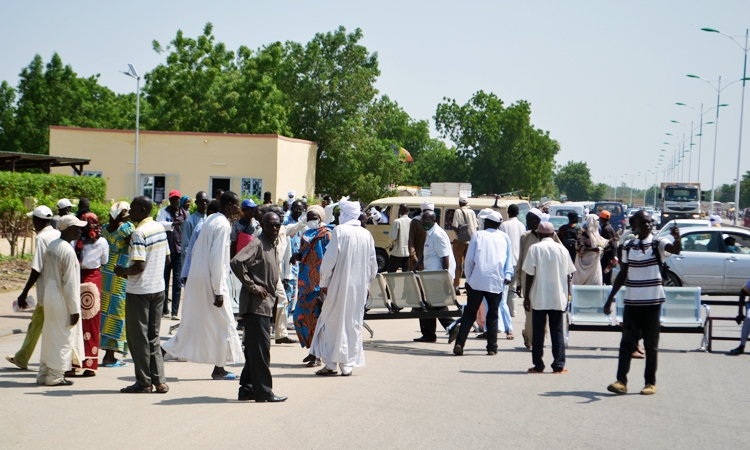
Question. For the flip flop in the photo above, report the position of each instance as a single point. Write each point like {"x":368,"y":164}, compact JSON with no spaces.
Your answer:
{"x":226,"y":376}
{"x":325,"y":371}
{"x":13,"y":361}
{"x":560,"y":372}
{"x":115,"y":364}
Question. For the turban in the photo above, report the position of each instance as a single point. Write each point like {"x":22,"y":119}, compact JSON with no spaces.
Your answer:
{"x":428,"y":206}
{"x":350,"y":212}
{"x":119,"y":207}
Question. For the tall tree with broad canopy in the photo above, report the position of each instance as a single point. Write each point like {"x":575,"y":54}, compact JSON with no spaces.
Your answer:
{"x":574,"y":180}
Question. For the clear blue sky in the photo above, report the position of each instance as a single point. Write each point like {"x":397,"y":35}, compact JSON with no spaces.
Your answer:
{"x":602,"y":76}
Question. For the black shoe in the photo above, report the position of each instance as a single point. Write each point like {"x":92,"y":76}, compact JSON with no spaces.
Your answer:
{"x":424,"y":339}
{"x":482,"y":336}
{"x":245,"y":394}
{"x":458,"y":350}
{"x":272,"y":399}
{"x":286,"y":340}
{"x":453,"y":334}
{"x":63,"y":382}
{"x":737,"y":351}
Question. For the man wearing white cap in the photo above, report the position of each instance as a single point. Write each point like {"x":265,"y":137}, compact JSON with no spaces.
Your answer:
{"x":64,"y":207}
{"x":41,"y":218}
{"x":60,"y":294}
{"x":547,"y":269}
{"x":489,"y":268}
{"x":514,"y":229}
{"x":533,"y":219}
{"x":417,"y":236}
{"x":348,"y":267}
{"x":465,"y":224}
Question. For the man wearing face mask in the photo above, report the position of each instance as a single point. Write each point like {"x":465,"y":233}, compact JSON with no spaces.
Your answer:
{"x":437,"y":255}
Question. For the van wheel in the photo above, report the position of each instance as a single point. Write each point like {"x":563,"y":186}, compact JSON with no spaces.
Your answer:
{"x":672,"y":280}
{"x":382,"y":258}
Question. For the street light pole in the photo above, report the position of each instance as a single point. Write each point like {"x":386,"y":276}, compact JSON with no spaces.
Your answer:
{"x":742,"y":110}
{"x":133,"y":74}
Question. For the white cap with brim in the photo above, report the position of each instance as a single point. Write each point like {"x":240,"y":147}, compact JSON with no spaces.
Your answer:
{"x":42,"y":212}
{"x":64,"y":203}
{"x":463,"y":199}
{"x":494,"y":216}
{"x":70,"y":221}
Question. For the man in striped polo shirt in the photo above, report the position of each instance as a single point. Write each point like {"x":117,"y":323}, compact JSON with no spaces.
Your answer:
{"x":640,"y":272}
{"x":149,"y":253}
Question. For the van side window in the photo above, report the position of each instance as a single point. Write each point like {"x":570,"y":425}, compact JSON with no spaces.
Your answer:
{"x":449,"y":219}
{"x":413,"y":212}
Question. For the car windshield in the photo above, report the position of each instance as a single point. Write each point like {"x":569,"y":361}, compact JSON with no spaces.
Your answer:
{"x":681,"y":194}
{"x":558,"y":221}
{"x":614,"y":209}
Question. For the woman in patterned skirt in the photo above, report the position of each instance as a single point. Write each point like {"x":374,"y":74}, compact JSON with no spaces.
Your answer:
{"x":93,"y":252}
{"x":309,"y":302}
{"x":117,"y":234}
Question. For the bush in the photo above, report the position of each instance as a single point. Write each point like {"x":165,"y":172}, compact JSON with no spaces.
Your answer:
{"x":41,"y":186}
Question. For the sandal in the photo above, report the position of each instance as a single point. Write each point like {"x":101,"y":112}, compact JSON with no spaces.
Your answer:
{"x":13,"y":361}
{"x":638,"y":355}
{"x":509,"y":336}
{"x":115,"y":364}
{"x":162,"y":388}
{"x":309,"y":358}
{"x":64,"y":382}
{"x":136,"y":389}
{"x":325,"y":371}
{"x":314,"y":363}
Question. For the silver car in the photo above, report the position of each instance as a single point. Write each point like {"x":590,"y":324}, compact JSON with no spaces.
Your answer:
{"x":716,"y":259}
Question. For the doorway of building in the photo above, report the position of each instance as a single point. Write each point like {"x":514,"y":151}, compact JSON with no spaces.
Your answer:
{"x":219,"y":183}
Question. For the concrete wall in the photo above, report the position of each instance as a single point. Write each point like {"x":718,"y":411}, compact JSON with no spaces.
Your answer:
{"x":188,"y":161}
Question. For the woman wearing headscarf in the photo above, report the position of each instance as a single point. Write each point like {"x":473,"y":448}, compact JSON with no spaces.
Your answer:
{"x":589,"y":250}
{"x":186,"y":203}
{"x":117,"y":234}
{"x":92,"y":251}
{"x":309,"y":302}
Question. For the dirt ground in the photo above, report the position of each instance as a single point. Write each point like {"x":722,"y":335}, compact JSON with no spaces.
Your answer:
{"x":13,"y":274}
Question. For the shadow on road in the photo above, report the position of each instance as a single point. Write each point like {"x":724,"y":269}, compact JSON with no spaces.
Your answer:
{"x":495,"y":372}
{"x":385,"y":348}
{"x":591,"y":396}
{"x":66,"y":391}
{"x":193,"y":401}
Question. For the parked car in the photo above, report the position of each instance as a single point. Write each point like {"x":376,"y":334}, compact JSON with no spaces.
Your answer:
{"x":558,"y":221}
{"x":617,"y":211}
{"x":709,"y":262}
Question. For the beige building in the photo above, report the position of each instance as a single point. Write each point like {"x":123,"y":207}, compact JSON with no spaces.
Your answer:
{"x":191,"y":162}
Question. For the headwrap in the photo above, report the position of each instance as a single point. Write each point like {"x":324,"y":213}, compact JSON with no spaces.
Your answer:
{"x":321,"y":212}
{"x":183,"y":200}
{"x":592,"y":229}
{"x":350,"y":212}
{"x":537,"y":212}
{"x":90,"y":233}
{"x":427,"y":206}
{"x":714,"y":220}
{"x":119,"y":207}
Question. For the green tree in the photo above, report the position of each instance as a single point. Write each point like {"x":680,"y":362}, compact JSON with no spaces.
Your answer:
{"x":438,"y":163}
{"x":7,"y":118}
{"x":598,"y":192}
{"x":574,"y":180}
{"x":505,"y":152}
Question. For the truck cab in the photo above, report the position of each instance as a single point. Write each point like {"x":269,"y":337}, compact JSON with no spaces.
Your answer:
{"x":680,"y":201}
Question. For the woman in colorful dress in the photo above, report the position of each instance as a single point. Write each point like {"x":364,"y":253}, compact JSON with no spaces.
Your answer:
{"x":117,"y":234}
{"x":93,"y":252}
{"x":309,"y":302}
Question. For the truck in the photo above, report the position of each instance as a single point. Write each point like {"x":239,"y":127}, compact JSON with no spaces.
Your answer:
{"x":680,"y":201}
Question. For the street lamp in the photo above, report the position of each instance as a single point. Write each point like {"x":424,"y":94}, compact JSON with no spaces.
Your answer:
{"x":700,"y":113}
{"x":133,"y":74}
{"x":742,"y":110}
{"x":718,"y":90}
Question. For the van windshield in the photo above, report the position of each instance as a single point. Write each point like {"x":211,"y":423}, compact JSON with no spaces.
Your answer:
{"x":614,"y":209}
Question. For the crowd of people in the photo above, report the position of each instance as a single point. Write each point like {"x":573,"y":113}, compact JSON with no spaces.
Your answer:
{"x":302,"y":269}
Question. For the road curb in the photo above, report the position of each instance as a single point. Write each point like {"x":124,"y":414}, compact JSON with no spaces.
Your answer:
{"x":9,"y":331}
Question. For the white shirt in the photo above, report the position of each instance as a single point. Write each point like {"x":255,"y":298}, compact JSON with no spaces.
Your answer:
{"x":514,"y":229}
{"x":95,"y":255}
{"x":164,"y":219}
{"x":550,"y":264}
{"x":399,"y":235}
{"x":437,"y":246}
{"x":43,"y":238}
{"x":329,"y":212}
{"x":489,"y":261}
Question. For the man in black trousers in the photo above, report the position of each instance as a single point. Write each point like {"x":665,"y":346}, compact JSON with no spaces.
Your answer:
{"x":257,"y":269}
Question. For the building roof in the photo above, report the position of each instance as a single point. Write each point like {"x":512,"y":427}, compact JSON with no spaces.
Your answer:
{"x":188,"y":133}
{"x":15,"y":161}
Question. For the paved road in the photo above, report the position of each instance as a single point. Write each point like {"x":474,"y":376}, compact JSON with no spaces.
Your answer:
{"x":408,"y":396}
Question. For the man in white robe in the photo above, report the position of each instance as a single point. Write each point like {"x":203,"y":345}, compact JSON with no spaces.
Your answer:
{"x":348,"y":267}
{"x":208,"y":331}
{"x":60,"y":294}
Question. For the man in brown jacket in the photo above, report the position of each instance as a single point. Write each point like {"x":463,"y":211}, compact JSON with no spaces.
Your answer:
{"x":417,"y":237}
{"x":257,"y":268}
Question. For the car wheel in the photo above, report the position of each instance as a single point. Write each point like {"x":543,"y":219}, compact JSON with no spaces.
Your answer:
{"x":382,"y":258}
{"x":672,"y":280}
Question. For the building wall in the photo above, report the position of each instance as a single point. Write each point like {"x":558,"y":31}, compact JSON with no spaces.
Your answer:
{"x":188,"y":161}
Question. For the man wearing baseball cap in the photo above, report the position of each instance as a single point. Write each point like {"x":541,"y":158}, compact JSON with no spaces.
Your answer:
{"x":172,"y":217}
{"x":64,"y":207}
{"x":60,"y":287}
{"x":547,"y":268}
{"x":41,"y":218}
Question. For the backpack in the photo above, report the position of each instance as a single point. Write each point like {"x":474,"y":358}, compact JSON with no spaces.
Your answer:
{"x":657,"y":255}
{"x":570,"y":238}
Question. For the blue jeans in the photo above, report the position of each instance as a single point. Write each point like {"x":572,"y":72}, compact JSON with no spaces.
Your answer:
{"x":504,"y":313}
{"x":175,"y":269}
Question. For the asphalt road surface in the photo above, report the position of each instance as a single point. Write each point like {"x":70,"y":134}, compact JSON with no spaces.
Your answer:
{"x":410,"y":395}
